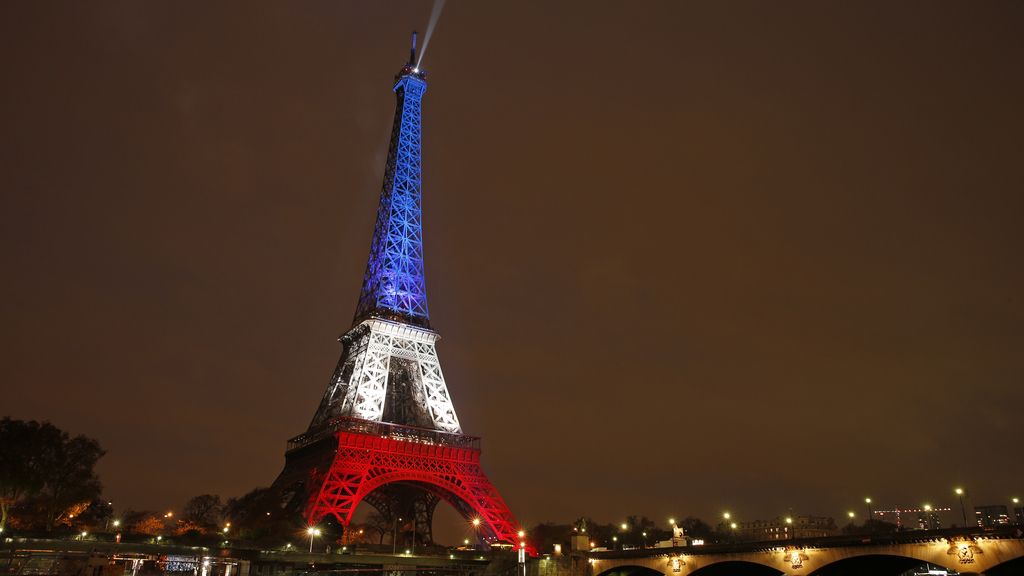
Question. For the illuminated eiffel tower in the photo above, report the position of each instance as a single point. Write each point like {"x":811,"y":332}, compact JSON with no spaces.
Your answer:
{"x":386,"y":431}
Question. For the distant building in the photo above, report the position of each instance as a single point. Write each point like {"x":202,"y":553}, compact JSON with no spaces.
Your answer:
{"x":928,"y":520}
{"x":779,"y":529}
{"x":991,"y":516}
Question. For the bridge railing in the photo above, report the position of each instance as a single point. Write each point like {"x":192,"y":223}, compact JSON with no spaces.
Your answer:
{"x":385,"y":430}
{"x":845,"y":540}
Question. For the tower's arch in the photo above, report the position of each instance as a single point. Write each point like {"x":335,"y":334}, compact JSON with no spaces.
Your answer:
{"x":365,"y":463}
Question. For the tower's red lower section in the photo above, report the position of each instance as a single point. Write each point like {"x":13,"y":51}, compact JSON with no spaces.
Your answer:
{"x":365,"y":462}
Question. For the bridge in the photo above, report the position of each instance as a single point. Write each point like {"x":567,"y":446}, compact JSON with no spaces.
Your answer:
{"x":962,"y":551}
{"x":56,"y":557}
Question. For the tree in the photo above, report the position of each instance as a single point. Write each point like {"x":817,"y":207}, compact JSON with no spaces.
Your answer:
{"x":249,"y":507}
{"x":379,"y":524}
{"x":204,"y":510}
{"x":40,"y":461}
{"x":697,"y":528}
{"x":23,"y":446}
{"x":150,"y":525}
{"x":69,"y":476}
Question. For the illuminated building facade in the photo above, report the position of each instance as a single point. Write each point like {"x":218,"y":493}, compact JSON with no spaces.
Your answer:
{"x":779,"y":529}
{"x":991,"y":516}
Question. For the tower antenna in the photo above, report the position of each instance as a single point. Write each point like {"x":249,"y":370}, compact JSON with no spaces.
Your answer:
{"x":412,"y":51}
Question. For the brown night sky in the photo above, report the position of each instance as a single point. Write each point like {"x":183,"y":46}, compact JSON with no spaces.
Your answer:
{"x":685,"y":257}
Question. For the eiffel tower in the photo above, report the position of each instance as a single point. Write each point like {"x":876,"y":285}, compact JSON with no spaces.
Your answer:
{"x":386,"y":431}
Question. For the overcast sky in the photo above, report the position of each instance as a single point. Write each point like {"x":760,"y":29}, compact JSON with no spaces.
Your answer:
{"x":685,"y":257}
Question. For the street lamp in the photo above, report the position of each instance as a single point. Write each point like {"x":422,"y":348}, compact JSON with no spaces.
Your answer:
{"x":313,"y":532}
{"x":789,"y":526}
{"x":644,"y":535}
{"x":476,"y":530}
{"x":963,"y":511}
{"x":868,"y":502}
{"x":615,"y":539}
{"x":927,"y":516}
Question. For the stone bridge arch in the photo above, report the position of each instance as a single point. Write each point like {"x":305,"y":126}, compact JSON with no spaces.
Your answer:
{"x":963,"y":555}
{"x":1007,"y":568}
{"x":631,"y":570}
{"x":736,"y":568}
{"x":874,"y":564}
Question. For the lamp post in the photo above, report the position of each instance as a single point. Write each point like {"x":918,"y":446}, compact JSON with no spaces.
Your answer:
{"x":313,"y":532}
{"x":394,"y":538}
{"x":963,"y":511}
{"x":476,"y":531}
{"x":789,"y":527}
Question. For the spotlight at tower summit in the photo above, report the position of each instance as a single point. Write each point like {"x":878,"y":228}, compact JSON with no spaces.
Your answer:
{"x":435,"y":15}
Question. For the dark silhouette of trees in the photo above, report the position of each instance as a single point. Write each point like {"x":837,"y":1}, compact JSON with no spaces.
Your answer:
{"x":379,"y":524}
{"x":46,"y":470}
{"x":204,"y":510}
{"x":697,"y":528}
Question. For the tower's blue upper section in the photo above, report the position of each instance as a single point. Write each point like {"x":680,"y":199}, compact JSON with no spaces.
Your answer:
{"x":394,"y":286}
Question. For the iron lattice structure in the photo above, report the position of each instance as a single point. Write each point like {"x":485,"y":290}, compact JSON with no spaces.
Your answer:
{"x":367,"y":461}
{"x":386,"y":431}
{"x":394,"y":285}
